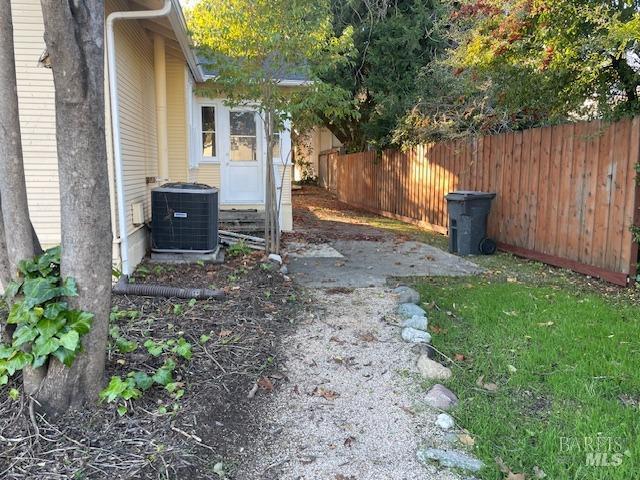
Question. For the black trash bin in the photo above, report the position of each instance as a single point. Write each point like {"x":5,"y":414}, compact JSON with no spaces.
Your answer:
{"x":468,"y":212}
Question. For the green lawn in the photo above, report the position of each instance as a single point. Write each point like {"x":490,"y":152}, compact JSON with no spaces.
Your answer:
{"x":564,"y":352}
{"x":566,"y":363}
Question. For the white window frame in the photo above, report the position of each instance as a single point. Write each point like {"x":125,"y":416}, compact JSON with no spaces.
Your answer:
{"x":217,"y":105}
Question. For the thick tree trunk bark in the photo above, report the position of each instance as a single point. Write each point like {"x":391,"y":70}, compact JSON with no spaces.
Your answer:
{"x":5,"y":267}
{"x":74,"y":33}
{"x":13,"y":190}
{"x":5,"y":277}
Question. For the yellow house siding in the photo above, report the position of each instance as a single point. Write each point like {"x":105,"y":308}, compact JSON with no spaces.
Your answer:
{"x":177,"y":119}
{"x":134,"y":57}
{"x":209,"y":174}
{"x":37,"y":121}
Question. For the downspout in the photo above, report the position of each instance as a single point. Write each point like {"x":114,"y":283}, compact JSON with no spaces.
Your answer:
{"x":115,"y":119}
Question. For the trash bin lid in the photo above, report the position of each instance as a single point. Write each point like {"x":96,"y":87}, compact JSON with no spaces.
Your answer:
{"x":462,"y":195}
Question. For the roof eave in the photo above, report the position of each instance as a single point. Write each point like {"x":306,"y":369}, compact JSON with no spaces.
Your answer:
{"x":282,"y":82}
{"x":179,"y":26}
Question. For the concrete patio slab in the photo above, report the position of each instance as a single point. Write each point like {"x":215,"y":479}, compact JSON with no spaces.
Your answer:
{"x":370,"y":263}
{"x":312,"y":250}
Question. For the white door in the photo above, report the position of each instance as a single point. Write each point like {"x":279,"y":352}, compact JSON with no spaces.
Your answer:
{"x":242,"y":165}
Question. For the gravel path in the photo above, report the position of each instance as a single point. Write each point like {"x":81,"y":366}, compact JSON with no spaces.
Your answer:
{"x":350,"y":410}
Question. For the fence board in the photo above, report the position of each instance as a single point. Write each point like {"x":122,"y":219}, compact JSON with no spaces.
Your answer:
{"x":631,"y":205}
{"x":576,"y":190}
{"x":616,"y":212}
{"x":566,"y":194}
{"x":566,"y":180}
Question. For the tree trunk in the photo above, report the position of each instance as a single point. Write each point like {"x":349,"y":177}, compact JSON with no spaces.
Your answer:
{"x":5,"y":278}
{"x":5,"y":267}
{"x":272,"y":224}
{"x":17,"y":229}
{"x":74,"y":33}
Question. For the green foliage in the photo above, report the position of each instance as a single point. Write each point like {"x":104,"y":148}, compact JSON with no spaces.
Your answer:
{"x":14,"y":394}
{"x":122,"y":344}
{"x":154,"y":348}
{"x":45,"y":326}
{"x":565,"y":366}
{"x":252,"y":44}
{"x":122,"y":391}
{"x":515,"y":64}
{"x":393,"y":42}
{"x":307,"y":174}
{"x":180,"y":347}
{"x":239,"y":249}
{"x":117,"y":314}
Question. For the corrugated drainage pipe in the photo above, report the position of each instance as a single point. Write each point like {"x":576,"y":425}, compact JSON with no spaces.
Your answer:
{"x":123,"y":287}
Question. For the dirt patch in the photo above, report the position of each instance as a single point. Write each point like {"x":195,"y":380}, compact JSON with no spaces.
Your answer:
{"x":319,"y":217}
{"x":234,"y":344}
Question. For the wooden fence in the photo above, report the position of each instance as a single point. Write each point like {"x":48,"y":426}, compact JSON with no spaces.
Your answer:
{"x":566,"y":195}
{"x":327,"y":169}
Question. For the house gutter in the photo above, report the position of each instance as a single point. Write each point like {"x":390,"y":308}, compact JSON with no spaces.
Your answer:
{"x":115,"y":118}
{"x":283,"y":82}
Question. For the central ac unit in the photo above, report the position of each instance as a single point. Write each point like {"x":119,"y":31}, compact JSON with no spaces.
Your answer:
{"x":184,"y":218}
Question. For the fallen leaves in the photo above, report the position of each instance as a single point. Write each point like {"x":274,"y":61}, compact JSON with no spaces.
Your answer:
{"x":466,"y":439}
{"x":408,"y":410}
{"x":437,"y":329}
{"x":489,"y":387}
{"x":538,"y":472}
{"x":265,"y":384}
{"x":325,"y":393}
{"x":507,"y":471}
{"x":346,"y":362}
{"x":459,"y":357}
{"x":368,"y":337}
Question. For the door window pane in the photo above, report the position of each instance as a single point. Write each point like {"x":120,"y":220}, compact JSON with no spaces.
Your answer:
{"x":243,"y":149}
{"x":208,"y":131}
{"x":208,"y":144}
{"x":243,"y":136}
{"x":209,"y":119}
{"x":243,"y":123}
